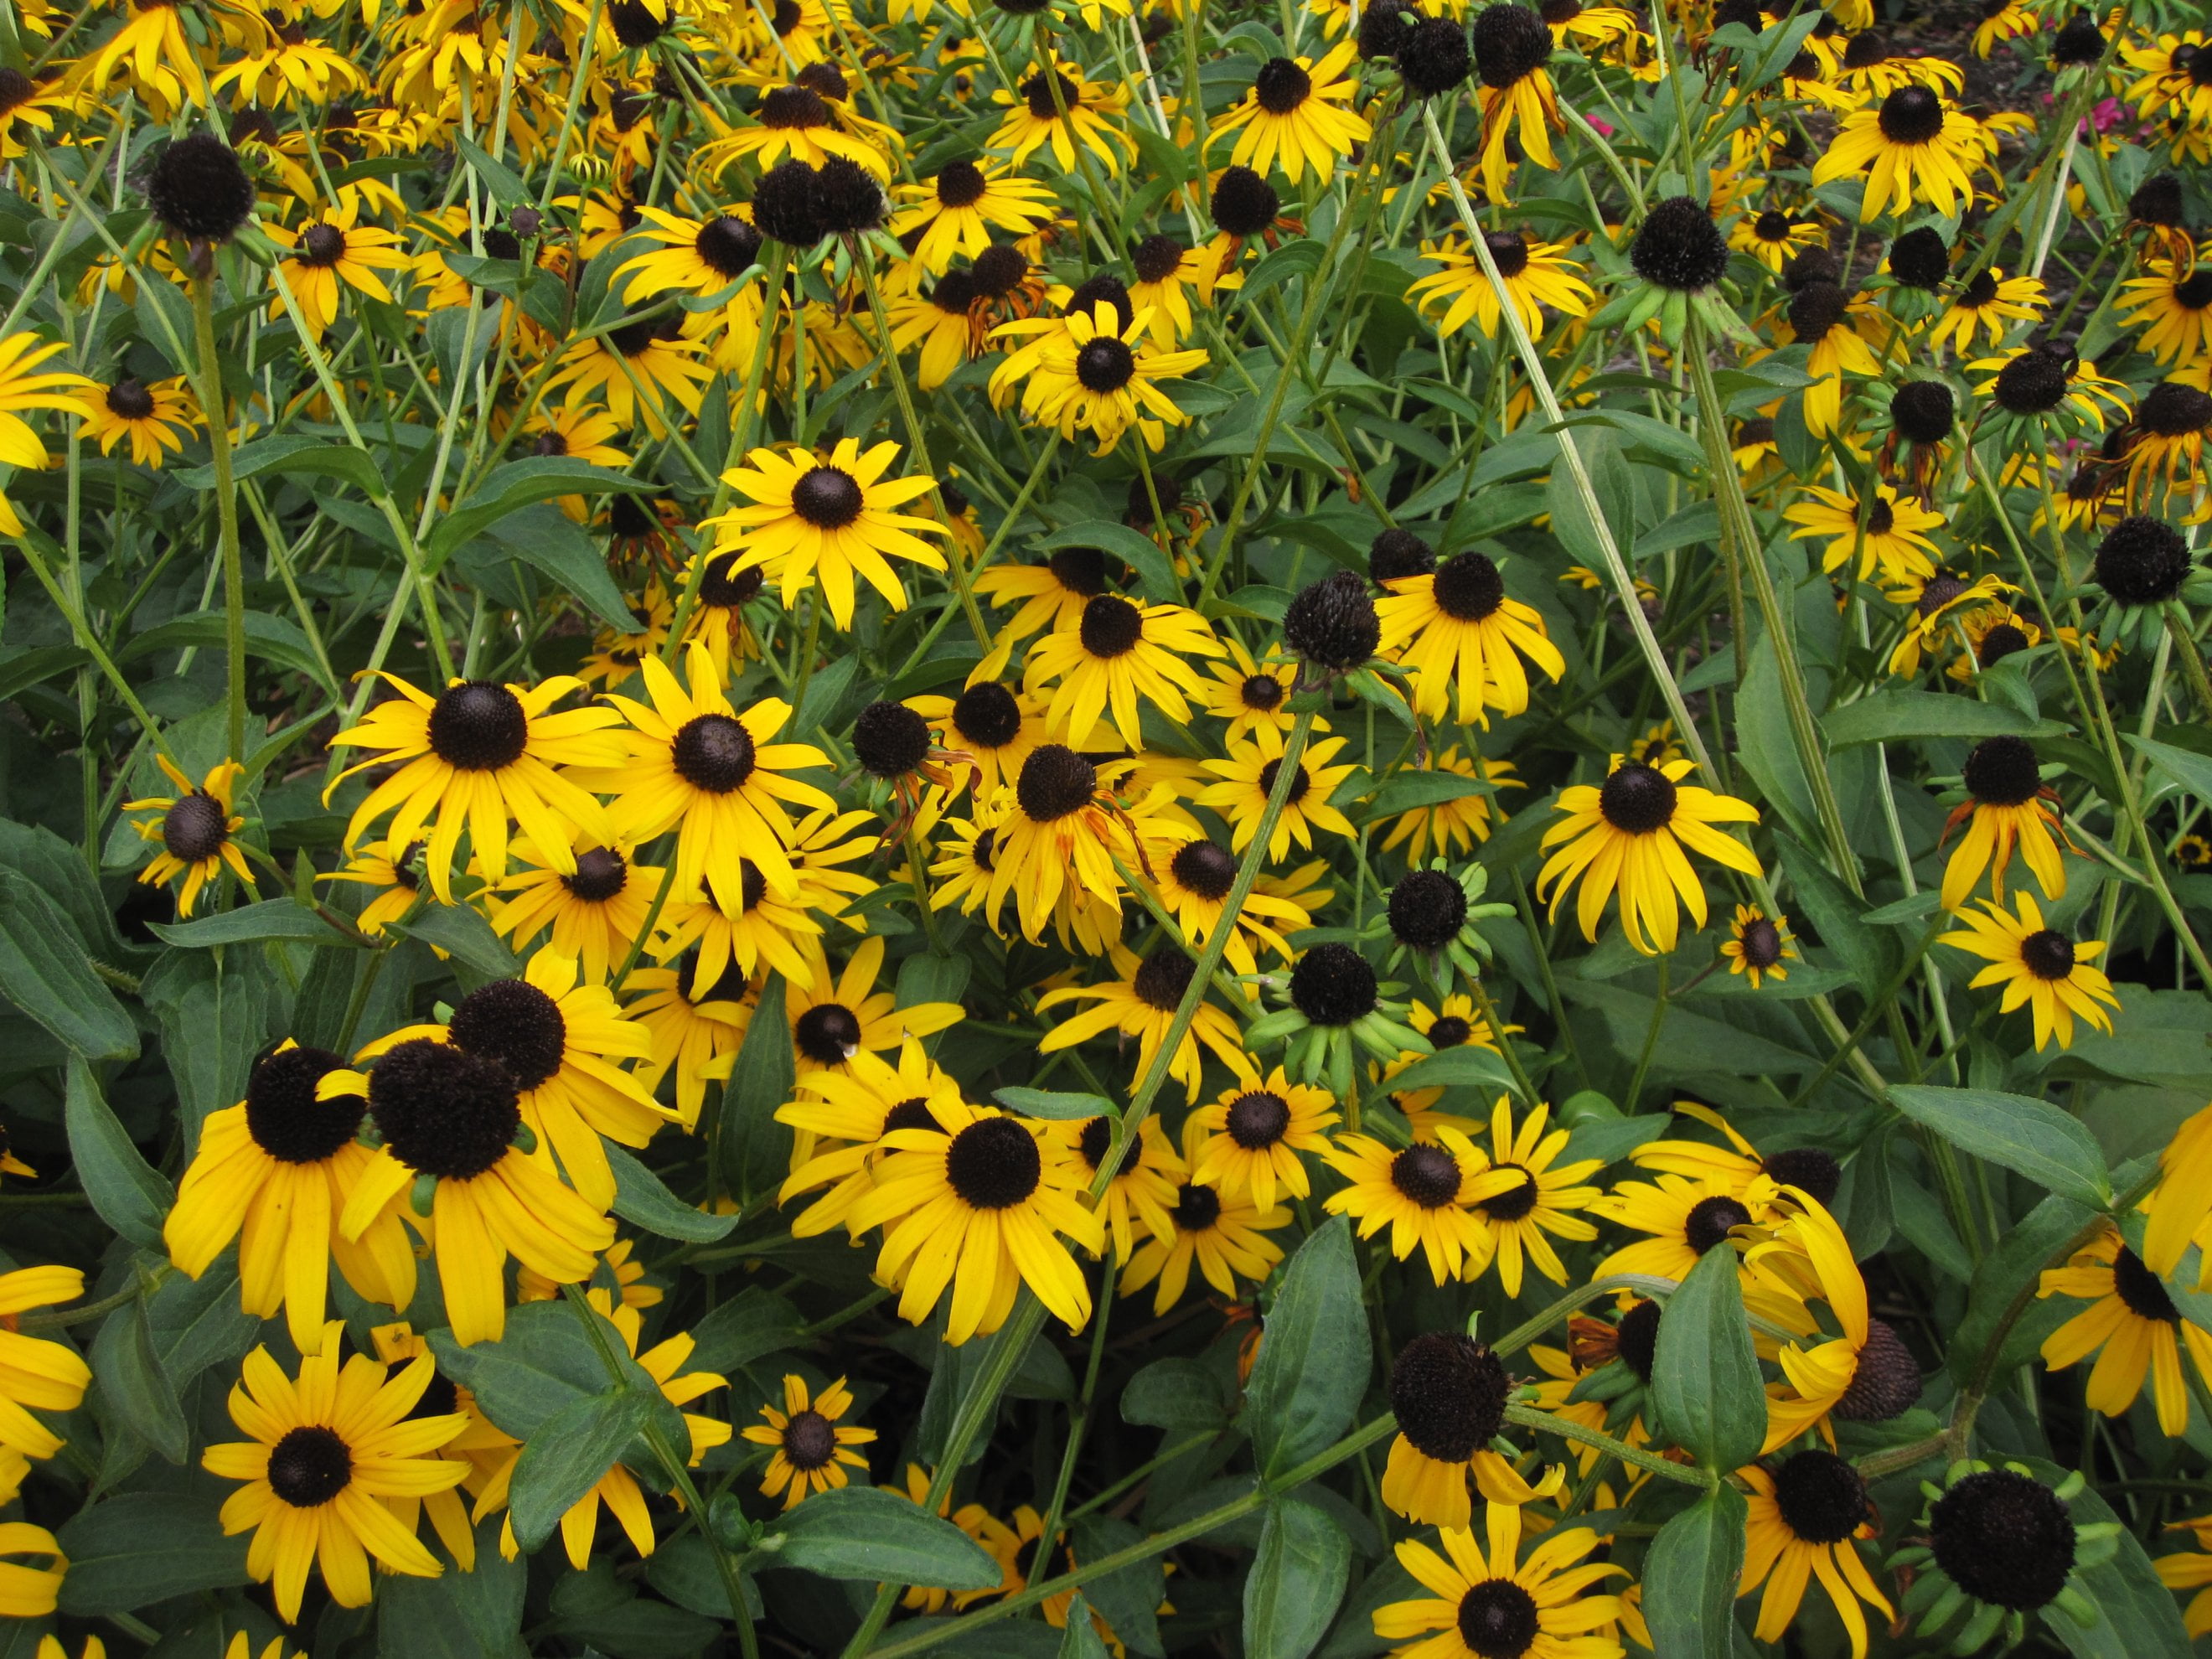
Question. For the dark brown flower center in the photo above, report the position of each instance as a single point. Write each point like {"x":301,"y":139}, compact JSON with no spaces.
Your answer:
{"x":713,"y":752}
{"x":309,"y":1467}
{"x":993,"y":1164}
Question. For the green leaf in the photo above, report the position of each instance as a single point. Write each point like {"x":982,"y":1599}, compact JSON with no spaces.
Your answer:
{"x":1690,"y":1571}
{"x":568,"y":1454}
{"x":1139,"y":552}
{"x":1700,"y":521}
{"x":513,"y":485}
{"x":1081,"y":1640}
{"x":57,"y":869}
{"x":1174,"y":1393}
{"x":754,"y":1150}
{"x":2029,"y":1137}
{"x":544,"y":1363}
{"x":1470,"y":1065}
{"x":461,"y":932}
{"x":44,"y":972}
{"x":1614,"y":487}
{"x":1900,"y":716}
{"x":1411,"y":791}
{"x":498,"y":178}
{"x":878,"y":1537}
{"x":683,"y":1570}
{"x":456,"y":1615}
{"x":2190,"y":770}
{"x":1313,"y":1368}
{"x":1764,"y":744}
{"x":2009,"y":1273}
{"x":1688,"y":1043}
{"x":128,"y":1194}
{"x":546,"y":539}
{"x":25,"y":669}
{"x":1291,"y":260}
{"x":214,"y":1017}
{"x":133,"y":1383}
{"x":271,"y":918}
{"x":273,"y":639}
{"x":641,"y":1199}
{"x":1297,"y":1577}
{"x":752,"y":1325}
{"x":1129,"y":1598}
{"x":1871,"y":954}
{"x":1705,"y":1384}
{"x":142,"y":1547}
{"x":1060,"y":1107}
{"x":295,"y":456}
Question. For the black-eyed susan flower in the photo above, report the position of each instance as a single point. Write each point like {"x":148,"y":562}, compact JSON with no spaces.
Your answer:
{"x":1915,"y":145}
{"x":1683,"y":1217}
{"x":1454,"y":1023}
{"x":197,"y":831}
{"x":798,"y":122}
{"x":325,"y":1449}
{"x":696,"y":1025}
{"x":1862,"y":1372}
{"x":2038,"y":966}
{"x":449,"y":1118}
{"x":1537,"y":275}
{"x":595,"y":912}
{"x":768,"y":930}
{"x":2165,"y":443}
{"x":478,"y":756}
{"x":942,"y":323}
{"x":1739,"y":1167}
{"x":155,"y":418}
{"x":1807,"y":1517}
{"x":330,"y":253}
{"x":700,"y":257}
{"x":1120,"y":657}
{"x":1166,"y":268}
{"x":2133,"y":1327}
{"x":838,"y":1119}
{"x":831,"y":1021}
{"x":1223,"y":1234}
{"x":1142,"y":1189}
{"x":2007,"y":809}
{"x":1511,"y":1224}
{"x":1141,"y":1002}
{"x":814,"y":1447}
{"x":563,"y":1042}
{"x":1062,"y":837}
{"x":1493,"y":1604}
{"x":1758,"y":944}
{"x":1192,"y":878}
{"x":1249,"y":692}
{"x":985,"y":1200}
{"x":1448,"y":1392}
{"x":1939,"y":600}
{"x":1248,"y":778}
{"x":1892,"y":540}
{"x":1297,"y":116}
{"x":639,"y":370}
{"x":1425,"y":1193}
{"x":482,"y":1448}
{"x":1101,"y":374}
{"x":1630,"y":833}
{"x":1252,"y":1135}
{"x":1775,"y":236}
{"x":824,"y":518}
{"x":689,"y":759}
{"x":275,"y":1172}
{"x":2180,"y":1202}
{"x":36,"y":1374}
{"x":957,"y":212}
{"x":1511,"y":46}
{"x":989,"y":731}
{"x":2000,"y":1546}
{"x":1458,"y":629}
{"x":1835,"y":329}
{"x":1059,"y":108}
{"x":1053,"y":594}
{"x":396,"y":873}
{"x":1989,"y":304}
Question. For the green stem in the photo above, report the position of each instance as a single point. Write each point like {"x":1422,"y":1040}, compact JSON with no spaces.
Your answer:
{"x":1529,"y":1417}
{"x":216,"y":403}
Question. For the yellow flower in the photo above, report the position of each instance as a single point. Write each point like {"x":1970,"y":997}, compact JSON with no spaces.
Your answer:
{"x":331,"y":252}
{"x":1423,"y":1194}
{"x":1225,"y":1234}
{"x":1092,"y":373}
{"x":1293,"y":117}
{"x":827,"y":517}
{"x":1512,"y":1222}
{"x":2007,"y":809}
{"x":21,"y":389}
{"x":1142,"y":1003}
{"x":197,"y":831}
{"x":1916,"y":147}
{"x":1806,"y":1517}
{"x":1758,"y":944}
{"x":36,"y":1374}
{"x":1537,"y":274}
{"x":2038,"y":966}
{"x":957,"y":210}
{"x":1248,"y":778}
{"x":812,"y":1447}
{"x":327,"y":1450}
{"x":2133,"y":1327}
{"x":1034,"y":117}
{"x":1119,"y":658}
{"x":1458,"y":628}
{"x":1629,"y":833}
{"x":1495,"y":1605}
{"x":1892,"y":538}
{"x":157,"y":418}
{"x":1251,"y":1136}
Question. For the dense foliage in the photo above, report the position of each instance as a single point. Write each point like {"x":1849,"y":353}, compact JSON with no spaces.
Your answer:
{"x":1052,"y":827}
